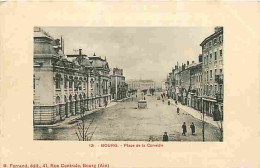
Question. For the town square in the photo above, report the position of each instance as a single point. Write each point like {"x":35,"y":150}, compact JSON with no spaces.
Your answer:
{"x":82,"y":95}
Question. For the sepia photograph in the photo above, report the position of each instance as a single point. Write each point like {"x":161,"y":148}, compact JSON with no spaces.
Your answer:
{"x":128,"y":83}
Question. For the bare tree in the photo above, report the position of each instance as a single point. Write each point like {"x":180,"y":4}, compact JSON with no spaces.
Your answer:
{"x":219,"y":120}
{"x":82,"y":131}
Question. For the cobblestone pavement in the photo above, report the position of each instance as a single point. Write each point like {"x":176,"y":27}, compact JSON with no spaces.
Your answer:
{"x":124,"y":122}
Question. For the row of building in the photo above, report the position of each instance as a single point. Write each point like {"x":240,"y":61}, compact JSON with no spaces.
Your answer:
{"x":65,"y":85}
{"x":200,"y":85}
{"x":141,"y":84}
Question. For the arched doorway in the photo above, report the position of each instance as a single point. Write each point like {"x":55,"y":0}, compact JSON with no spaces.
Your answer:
{"x":71,"y":105}
{"x":80,"y":103}
{"x":76,"y":104}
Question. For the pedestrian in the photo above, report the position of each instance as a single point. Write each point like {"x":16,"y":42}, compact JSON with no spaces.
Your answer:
{"x":176,"y":102}
{"x":165,"y":136}
{"x":192,"y":126}
{"x":184,"y":129}
{"x":178,"y":110}
{"x":105,"y":104}
{"x":169,"y":102}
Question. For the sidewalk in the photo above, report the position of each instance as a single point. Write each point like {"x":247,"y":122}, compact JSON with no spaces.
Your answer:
{"x":197,"y":114}
{"x":67,"y":121}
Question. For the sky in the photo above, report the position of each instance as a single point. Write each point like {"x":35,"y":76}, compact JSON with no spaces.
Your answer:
{"x":142,"y":52}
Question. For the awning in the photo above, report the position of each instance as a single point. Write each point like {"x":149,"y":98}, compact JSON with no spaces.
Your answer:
{"x":207,"y":99}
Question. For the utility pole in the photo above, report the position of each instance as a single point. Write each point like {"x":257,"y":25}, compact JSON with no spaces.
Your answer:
{"x":203,"y":121}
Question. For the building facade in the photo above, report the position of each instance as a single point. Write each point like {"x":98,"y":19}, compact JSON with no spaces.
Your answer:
{"x":196,"y":87}
{"x":212,"y":69}
{"x":119,"y":87}
{"x":141,"y":84}
{"x":65,"y":85}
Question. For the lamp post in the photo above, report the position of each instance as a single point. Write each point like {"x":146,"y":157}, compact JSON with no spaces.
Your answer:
{"x":203,"y":120}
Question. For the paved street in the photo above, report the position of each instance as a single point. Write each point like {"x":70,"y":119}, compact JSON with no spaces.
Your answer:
{"x":124,"y":122}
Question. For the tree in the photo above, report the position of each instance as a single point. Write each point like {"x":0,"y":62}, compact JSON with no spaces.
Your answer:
{"x":82,"y":131}
{"x":218,"y":117}
{"x":152,"y":90}
{"x":144,"y":91}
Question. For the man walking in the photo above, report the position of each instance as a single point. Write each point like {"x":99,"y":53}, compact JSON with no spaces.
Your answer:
{"x":184,"y":129}
{"x":192,"y":126}
{"x":178,"y":110}
{"x":165,"y":136}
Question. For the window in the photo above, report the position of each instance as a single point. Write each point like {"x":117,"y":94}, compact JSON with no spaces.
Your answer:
{"x":220,"y":39}
{"x":216,"y":91}
{"x":210,"y":74}
{"x":70,"y":84}
{"x":215,"y":71}
{"x":57,"y":83}
{"x":210,"y":57}
{"x":215,"y":55}
{"x":220,"y":71}
{"x":215,"y":41}
{"x":220,"y":52}
{"x":65,"y":83}
{"x":80,"y":85}
{"x":210,"y":44}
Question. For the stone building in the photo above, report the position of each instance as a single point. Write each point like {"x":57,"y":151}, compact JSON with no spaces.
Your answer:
{"x":177,"y":84}
{"x":186,"y":83}
{"x":141,"y":84}
{"x":196,"y":86}
{"x":64,"y":86}
{"x":119,"y":87}
{"x":212,"y":69}
{"x":170,"y":83}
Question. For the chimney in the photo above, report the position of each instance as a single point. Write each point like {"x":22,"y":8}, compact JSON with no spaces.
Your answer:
{"x":200,"y":58}
{"x":80,"y":51}
{"x":61,"y":44}
{"x":218,"y":28}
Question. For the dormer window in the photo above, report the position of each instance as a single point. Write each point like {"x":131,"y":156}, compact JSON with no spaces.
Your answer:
{"x":215,"y":41}
{"x":220,"y":39}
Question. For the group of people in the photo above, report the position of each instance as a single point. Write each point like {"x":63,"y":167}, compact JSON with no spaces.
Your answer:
{"x":184,"y":131}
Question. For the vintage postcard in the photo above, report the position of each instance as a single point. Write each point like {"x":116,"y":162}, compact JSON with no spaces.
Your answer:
{"x":120,"y":84}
